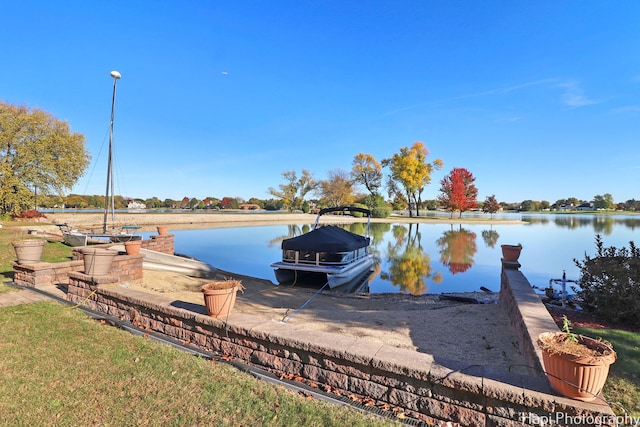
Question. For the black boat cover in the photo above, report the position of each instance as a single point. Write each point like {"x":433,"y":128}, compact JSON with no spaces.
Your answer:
{"x":326,"y":239}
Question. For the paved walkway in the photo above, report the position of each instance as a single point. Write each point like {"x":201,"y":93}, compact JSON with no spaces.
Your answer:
{"x":26,"y":296}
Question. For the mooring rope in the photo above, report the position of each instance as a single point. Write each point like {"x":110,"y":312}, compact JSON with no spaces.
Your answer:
{"x":285,"y":320}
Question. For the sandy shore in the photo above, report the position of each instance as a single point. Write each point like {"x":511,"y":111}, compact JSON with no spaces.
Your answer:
{"x":182,"y":221}
{"x":470,"y":333}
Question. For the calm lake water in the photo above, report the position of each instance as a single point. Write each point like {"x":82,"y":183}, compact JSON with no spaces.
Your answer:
{"x":429,"y":258}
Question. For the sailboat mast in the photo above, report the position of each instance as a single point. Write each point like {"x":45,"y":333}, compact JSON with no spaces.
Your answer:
{"x":109,"y":190}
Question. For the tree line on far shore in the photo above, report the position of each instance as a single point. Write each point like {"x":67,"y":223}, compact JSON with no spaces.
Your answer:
{"x":489,"y":205}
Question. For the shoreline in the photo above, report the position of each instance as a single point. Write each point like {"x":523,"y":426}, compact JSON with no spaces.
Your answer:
{"x":220,"y":220}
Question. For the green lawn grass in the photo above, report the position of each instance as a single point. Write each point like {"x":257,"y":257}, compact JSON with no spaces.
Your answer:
{"x":61,"y":368}
{"x":622,"y":389}
{"x":53,"y":252}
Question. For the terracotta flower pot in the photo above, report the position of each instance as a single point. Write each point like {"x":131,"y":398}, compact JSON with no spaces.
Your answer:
{"x":511,"y":253}
{"x":220,"y":296}
{"x":579,"y":377}
{"x":97,"y":261}
{"x":133,"y":247}
{"x":28,"y":251}
{"x":162,"y":230}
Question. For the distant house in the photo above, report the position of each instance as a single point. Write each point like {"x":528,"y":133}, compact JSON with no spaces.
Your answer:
{"x":586,"y":207}
{"x":135,"y":205}
{"x":209,"y":204}
{"x":249,"y":207}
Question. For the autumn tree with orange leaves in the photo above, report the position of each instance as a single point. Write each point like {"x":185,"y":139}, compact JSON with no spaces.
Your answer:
{"x":337,"y":189}
{"x":458,"y":191}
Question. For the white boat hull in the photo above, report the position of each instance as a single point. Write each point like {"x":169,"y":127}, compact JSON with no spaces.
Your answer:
{"x":73,"y":237}
{"x":335,"y":275}
{"x":74,"y":240}
{"x":158,"y":261}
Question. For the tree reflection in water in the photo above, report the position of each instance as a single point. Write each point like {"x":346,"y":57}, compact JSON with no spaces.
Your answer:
{"x":409,"y":266}
{"x":457,"y":248}
{"x":293,"y":230}
{"x":490,"y":238}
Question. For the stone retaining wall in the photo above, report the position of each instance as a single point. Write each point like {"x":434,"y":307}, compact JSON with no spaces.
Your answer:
{"x":419,"y":385}
{"x":529,"y":317}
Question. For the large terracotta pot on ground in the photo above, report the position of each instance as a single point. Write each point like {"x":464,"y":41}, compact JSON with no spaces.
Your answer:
{"x":29,"y":251}
{"x":578,"y":376}
{"x":97,"y":261}
{"x":133,"y":247}
{"x":511,"y":253}
{"x":220,"y":296}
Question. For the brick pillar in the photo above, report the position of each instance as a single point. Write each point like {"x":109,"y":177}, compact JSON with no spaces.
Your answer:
{"x":164,"y":244}
{"x":82,"y":287}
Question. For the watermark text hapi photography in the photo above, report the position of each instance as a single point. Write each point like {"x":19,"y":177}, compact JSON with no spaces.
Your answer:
{"x":562,"y":418}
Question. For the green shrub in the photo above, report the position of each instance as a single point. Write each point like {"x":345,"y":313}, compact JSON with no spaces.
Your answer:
{"x":373,"y":201}
{"x":359,"y":214}
{"x":381,"y":212}
{"x":610,"y":283}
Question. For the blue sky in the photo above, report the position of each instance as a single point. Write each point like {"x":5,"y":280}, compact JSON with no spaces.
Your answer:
{"x":539,"y":100}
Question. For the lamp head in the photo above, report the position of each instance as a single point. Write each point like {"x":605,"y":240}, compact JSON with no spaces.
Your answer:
{"x":116,"y":75}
